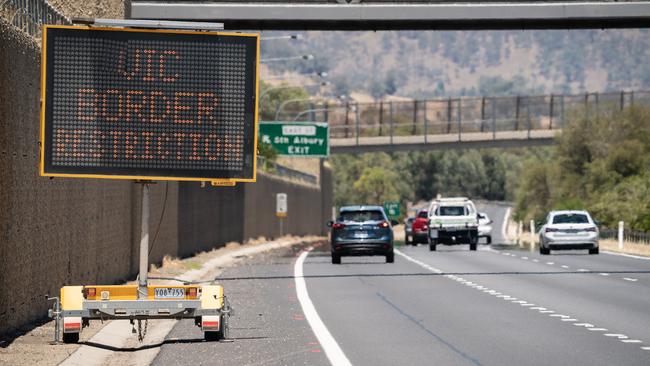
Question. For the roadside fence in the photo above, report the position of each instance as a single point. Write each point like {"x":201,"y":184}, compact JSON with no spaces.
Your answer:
{"x":30,"y":15}
{"x":628,"y":236}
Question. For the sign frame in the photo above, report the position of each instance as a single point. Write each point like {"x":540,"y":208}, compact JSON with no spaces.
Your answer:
{"x":217,"y":180}
{"x":301,"y":124}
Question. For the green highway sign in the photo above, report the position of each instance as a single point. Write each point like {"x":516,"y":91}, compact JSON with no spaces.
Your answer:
{"x":296,"y":138}
{"x":391,"y":208}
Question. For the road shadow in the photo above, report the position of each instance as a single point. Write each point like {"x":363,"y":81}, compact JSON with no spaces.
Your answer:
{"x":165,"y":342}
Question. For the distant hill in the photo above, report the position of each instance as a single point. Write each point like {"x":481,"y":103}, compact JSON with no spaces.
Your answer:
{"x":427,"y":63}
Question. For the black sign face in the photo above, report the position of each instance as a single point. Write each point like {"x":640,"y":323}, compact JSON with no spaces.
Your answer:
{"x":138,"y":104}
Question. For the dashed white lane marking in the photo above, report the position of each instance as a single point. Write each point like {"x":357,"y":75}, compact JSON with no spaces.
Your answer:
{"x":536,"y":260}
{"x":332,"y":350}
{"x":524,"y":258}
{"x":630,"y":279}
{"x":604,"y":274}
{"x":542,"y":310}
{"x":550,"y":263}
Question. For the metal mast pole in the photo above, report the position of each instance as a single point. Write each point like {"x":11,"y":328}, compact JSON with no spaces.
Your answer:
{"x":144,"y":242}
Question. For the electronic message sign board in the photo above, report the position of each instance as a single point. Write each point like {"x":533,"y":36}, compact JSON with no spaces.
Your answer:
{"x":149,"y":104}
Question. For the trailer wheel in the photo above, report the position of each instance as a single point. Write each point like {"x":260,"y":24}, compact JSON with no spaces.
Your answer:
{"x":70,"y":337}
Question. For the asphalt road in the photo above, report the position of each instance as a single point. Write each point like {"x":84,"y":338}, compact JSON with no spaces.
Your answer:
{"x":498,"y":306}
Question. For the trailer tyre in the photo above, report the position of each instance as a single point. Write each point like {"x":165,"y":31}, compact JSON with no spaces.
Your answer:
{"x":70,"y":337}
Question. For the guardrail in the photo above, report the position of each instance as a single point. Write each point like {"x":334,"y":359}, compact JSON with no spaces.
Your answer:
{"x":458,"y":116}
{"x":29,"y":15}
{"x":628,"y":235}
{"x":283,"y":171}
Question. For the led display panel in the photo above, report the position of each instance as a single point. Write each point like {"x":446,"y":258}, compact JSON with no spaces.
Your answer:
{"x":149,"y":104}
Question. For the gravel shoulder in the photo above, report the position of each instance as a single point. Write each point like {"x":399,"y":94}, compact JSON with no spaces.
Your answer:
{"x":35,"y":347}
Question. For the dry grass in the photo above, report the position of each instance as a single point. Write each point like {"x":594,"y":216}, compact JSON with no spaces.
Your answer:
{"x":628,"y":247}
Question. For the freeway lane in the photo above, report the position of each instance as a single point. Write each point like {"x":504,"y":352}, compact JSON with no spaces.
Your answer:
{"x":499,"y":309}
{"x":496,"y":306}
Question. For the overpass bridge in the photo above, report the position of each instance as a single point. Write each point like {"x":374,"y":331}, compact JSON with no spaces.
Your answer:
{"x":457,"y":123}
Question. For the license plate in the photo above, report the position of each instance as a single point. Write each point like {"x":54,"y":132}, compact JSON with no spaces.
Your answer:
{"x":434,"y":234}
{"x":168,"y":293}
{"x":361,"y":234}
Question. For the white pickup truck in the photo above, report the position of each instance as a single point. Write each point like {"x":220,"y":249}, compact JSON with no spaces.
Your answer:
{"x":453,"y":221}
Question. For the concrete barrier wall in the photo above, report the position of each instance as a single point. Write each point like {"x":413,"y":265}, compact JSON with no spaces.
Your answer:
{"x":55,"y":232}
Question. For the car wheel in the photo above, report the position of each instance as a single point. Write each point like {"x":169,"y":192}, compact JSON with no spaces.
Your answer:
{"x":390,"y":257}
{"x":593,"y":251}
{"x":432,"y":245}
{"x":70,"y":337}
{"x":408,"y":241}
{"x":336,"y":258}
{"x":472,"y":246}
{"x":489,"y":239}
{"x":545,"y":251}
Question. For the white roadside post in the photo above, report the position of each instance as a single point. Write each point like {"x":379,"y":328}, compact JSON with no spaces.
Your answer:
{"x":281,"y":209}
{"x":621,"y":231}
{"x":532,"y":231}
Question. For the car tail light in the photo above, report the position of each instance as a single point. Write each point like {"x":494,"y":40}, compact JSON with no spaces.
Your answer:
{"x":191,"y":292}
{"x":551,"y":230}
{"x":338,"y":225}
{"x":91,"y":292}
{"x":383,"y":224}
{"x":592,"y":229}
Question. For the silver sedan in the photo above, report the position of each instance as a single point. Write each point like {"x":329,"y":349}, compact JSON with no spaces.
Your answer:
{"x":568,"y":230}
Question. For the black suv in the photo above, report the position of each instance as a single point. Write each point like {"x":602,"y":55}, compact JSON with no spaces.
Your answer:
{"x":361,"y":231}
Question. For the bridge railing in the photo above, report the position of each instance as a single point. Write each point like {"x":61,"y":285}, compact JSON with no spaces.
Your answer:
{"x":458,"y":116}
{"x":30,"y":15}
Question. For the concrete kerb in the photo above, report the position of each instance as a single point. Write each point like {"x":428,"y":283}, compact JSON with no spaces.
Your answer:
{"x":116,"y":335}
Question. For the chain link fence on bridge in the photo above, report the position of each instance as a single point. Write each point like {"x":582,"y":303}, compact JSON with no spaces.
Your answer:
{"x":30,"y":15}
{"x":465,"y":115}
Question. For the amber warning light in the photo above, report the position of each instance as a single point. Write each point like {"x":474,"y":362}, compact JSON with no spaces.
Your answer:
{"x":143,"y":104}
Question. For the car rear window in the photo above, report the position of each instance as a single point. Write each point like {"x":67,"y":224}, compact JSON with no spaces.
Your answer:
{"x":570,"y":219}
{"x":422,"y":214}
{"x":360,"y":216}
{"x":451,"y":211}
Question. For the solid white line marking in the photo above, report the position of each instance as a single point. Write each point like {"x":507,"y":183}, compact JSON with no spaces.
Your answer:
{"x":630,"y":279}
{"x":625,"y":255}
{"x":332,"y":350}
{"x":504,"y":226}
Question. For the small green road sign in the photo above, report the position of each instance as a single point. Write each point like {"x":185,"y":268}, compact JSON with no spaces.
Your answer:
{"x":296,"y":138}
{"x":391,"y":208}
